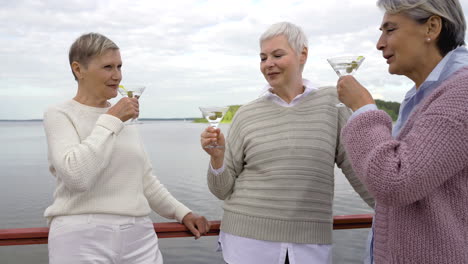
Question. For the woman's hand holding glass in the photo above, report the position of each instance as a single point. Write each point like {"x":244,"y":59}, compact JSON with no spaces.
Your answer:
{"x":352,"y":93}
{"x":213,"y":135}
{"x":125,"y":109}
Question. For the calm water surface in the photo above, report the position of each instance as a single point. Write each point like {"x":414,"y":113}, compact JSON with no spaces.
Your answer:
{"x":26,"y":190}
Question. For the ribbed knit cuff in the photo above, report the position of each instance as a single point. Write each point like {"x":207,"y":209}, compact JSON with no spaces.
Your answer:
{"x":363,"y":109}
{"x":217,"y":171}
{"x":220,"y":185}
{"x":181,"y":211}
{"x":218,"y":178}
{"x":110,"y":122}
{"x":362,"y":123}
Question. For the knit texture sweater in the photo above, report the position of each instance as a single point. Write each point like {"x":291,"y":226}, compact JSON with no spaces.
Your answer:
{"x":278,"y":182}
{"x":100,"y":166}
{"x":420,"y":179}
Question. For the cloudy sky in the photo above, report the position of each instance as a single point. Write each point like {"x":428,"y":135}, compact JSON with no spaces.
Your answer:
{"x":189,"y":53}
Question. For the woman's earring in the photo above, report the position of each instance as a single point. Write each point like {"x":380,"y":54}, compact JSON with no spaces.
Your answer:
{"x":428,"y":39}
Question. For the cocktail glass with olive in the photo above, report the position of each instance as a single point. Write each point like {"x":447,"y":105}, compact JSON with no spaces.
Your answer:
{"x":214,"y":115}
{"x":132,"y":91}
{"x":345,"y":65}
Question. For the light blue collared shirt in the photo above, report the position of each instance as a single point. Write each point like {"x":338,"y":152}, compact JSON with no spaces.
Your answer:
{"x":452,"y":62}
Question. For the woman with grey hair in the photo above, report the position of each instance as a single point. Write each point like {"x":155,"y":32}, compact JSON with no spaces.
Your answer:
{"x":105,"y":185}
{"x":417,"y":171}
{"x":276,"y":172}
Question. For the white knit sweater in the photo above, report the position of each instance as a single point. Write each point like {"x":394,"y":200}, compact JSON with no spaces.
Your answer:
{"x":101,"y":166}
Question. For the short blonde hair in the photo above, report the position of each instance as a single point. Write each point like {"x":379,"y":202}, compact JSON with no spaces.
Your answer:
{"x":297,"y":39}
{"x":450,"y":11}
{"x":88,"y":46}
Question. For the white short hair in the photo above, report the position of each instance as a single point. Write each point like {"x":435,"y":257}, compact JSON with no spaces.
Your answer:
{"x":294,"y":34}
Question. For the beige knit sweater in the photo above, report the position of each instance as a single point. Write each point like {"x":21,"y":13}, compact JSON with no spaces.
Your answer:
{"x":100,"y":166}
{"x":278,"y":183}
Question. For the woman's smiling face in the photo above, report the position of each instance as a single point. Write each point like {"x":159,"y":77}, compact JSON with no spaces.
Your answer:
{"x":280,"y":64}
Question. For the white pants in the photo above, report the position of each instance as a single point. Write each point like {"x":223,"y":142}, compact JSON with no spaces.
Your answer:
{"x":101,"y":238}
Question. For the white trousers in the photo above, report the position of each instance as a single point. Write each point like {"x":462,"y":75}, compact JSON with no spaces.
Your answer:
{"x":103,"y":238}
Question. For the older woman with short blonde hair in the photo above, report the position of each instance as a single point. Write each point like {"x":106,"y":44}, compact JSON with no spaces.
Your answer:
{"x":276,"y":172}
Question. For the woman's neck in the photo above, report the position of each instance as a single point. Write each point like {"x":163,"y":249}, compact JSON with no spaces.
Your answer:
{"x":90,"y":99}
{"x":289,"y":92}
{"x":419,"y":76}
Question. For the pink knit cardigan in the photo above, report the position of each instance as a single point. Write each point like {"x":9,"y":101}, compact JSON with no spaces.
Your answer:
{"x":420,"y":179}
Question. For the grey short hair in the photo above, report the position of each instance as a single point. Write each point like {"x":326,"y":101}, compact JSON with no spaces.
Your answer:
{"x":452,"y":34}
{"x":296,"y":37}
{"x":88,"y":46}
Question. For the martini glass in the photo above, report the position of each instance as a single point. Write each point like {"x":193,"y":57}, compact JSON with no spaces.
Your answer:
{"x":345,"y":65}
{"x":214,"y":115}
{"x":132,"y":91}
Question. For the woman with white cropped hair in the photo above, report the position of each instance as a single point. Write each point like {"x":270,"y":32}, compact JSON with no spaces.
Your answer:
{"x":416,"y":170}
{"x":276,"y":172}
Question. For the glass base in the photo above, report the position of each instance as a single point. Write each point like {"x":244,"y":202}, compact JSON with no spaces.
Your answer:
{"x":133,"y":122}
{"x":213,"y":146}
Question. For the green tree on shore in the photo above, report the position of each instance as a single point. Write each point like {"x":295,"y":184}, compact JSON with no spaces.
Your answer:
{"x":392,"y":108}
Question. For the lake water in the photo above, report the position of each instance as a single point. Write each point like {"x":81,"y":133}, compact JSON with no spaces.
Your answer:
{"x":26,"y":190}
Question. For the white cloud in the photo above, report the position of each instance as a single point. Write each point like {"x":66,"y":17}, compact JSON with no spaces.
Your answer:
{"x":188,"y":52}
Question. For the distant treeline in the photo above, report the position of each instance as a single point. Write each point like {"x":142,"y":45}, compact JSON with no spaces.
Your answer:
{"x":391,"y":108}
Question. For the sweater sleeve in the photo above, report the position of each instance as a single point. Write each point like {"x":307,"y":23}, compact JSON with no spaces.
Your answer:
{"x":429,"y":151}
{"x":344,"y":164}
{"x":222,"y":185}
{"x":79,"y":163}
{"x":159,"y":198}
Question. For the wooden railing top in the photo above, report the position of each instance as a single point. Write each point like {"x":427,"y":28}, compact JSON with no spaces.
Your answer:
{"x":39,"y":235}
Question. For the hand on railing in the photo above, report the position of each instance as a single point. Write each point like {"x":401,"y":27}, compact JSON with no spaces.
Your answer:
{"x":198,"y":225}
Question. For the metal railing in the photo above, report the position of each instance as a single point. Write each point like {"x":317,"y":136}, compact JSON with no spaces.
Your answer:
{"x":39,"y":235}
